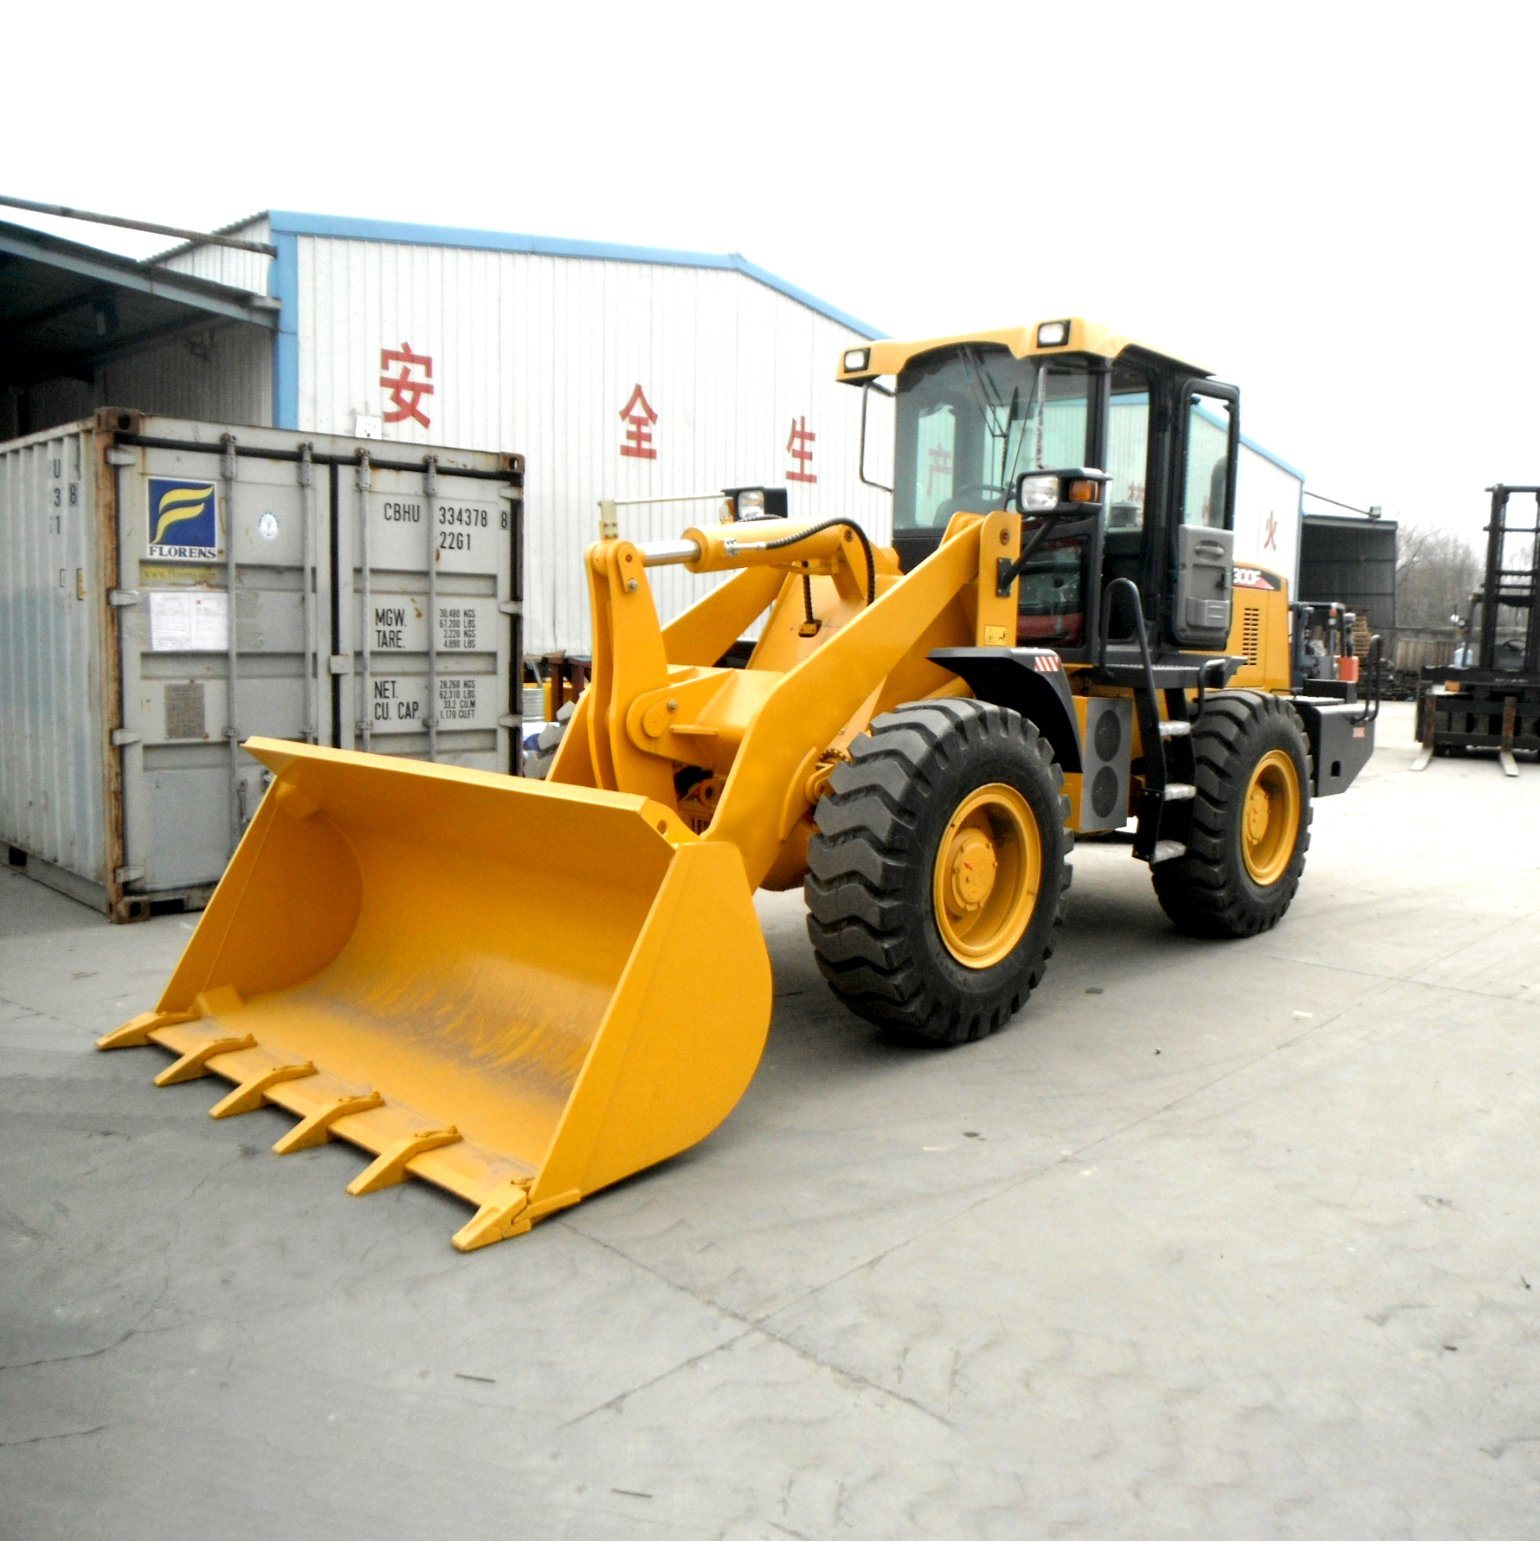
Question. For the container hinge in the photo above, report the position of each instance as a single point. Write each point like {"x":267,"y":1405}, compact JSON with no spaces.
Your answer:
{"x":123,"y":737}
{"x":511,"y":494}
{"x":122,"y":457}
{"x":338,"y":663}
{"x":511,"y":607}
{"x":128,"y":874}
{"x":508,"y":720}
{"x":121,"y":597}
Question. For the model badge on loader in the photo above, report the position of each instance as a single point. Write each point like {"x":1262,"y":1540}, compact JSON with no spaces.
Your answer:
{"x":525,"y":990}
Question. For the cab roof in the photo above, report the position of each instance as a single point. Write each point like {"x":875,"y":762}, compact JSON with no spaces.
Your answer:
{"x":1082,"y":336}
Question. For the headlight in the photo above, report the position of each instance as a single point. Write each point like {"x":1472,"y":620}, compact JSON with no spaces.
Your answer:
{"x":1053,"y":334}
{"x":748,"y":503}
{"x":1038,"y":494}
{"x":856,"y":360}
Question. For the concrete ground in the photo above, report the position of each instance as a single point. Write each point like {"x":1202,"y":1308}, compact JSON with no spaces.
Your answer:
{"x":1235,"y":1240}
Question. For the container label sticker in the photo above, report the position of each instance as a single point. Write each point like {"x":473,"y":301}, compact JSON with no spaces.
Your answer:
{"x":189,"y":621}
{"x":183,"y":519}
{"x":184,"y":710}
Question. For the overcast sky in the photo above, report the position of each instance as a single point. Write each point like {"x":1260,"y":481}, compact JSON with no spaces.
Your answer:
{"x":1331,"y":206}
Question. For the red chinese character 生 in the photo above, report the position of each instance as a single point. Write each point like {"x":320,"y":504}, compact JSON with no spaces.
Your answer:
{"x":639,"y":418}
{"x":940,"y":468}
{"x":406,"y":393}
{"x":799,"y":447}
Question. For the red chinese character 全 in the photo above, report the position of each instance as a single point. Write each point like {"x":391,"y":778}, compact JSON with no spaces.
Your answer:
{"x":639,"y":418}
{"x":940,"y":466}
{"x":406,"y":393}
{"x":797,"y":446}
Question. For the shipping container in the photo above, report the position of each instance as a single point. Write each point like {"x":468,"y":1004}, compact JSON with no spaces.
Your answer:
{"x":171,"y":587}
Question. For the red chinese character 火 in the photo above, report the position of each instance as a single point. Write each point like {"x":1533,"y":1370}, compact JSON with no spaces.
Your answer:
{"x":1270,"y":541}
{"x":406,"y":393}
{"x":797,"y":446}
{"x":639,"y":418}
{"x":940,"y":467}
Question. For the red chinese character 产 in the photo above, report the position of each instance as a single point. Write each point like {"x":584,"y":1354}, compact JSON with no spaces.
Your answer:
{"x":406,"y":393}
{"x":639,"y":418}
{"x":798,"y":447}
{"x":940,"y":468}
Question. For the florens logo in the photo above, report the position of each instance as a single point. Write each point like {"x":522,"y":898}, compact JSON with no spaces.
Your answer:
{"x":184,"y":518}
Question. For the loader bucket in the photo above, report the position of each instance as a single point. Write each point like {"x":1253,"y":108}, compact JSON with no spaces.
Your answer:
{"x":519,"y":991}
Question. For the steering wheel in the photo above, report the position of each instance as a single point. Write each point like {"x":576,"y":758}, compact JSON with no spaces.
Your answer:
{"x":962,"y":499}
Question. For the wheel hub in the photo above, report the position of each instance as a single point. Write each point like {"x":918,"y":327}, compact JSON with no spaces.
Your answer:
{"x":1270,"y":818}
{"x":974,"y":866}
{"x":988,"y":869}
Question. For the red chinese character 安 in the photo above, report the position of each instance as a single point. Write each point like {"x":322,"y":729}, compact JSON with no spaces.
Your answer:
{"x":639,"y":418}
{"x":406,"y":393}
{"x":798,"y":446}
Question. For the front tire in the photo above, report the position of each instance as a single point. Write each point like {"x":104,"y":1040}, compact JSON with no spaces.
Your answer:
{"x":1250,"y":820}
{"x":938,"y":874}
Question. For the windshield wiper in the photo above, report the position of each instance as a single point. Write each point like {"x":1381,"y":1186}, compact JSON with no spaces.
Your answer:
{"x":1026,"y":417}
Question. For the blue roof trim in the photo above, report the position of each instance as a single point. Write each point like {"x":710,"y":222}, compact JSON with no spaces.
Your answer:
{"x":1267,"y":454}
{"x":283,"y":282}
{"x":1251,"y":444}
{"x":287,"y":223}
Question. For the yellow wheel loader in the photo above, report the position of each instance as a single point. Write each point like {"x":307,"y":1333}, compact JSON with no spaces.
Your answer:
{"x":526,"y":990}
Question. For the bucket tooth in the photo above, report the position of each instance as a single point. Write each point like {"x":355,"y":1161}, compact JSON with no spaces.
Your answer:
{"x":315,"y":1128}
{"x":389,"y":1167}
{"x":194,"y":1063}
{"x":503,"y":1213}
{"x":249,"y":1095}
{"x":135,"y":1034}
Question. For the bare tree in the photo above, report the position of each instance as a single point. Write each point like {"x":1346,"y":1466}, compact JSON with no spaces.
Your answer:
{"x":1436,"y":570}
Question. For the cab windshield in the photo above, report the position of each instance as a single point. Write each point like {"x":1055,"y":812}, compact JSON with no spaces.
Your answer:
{"x":971,"y":420}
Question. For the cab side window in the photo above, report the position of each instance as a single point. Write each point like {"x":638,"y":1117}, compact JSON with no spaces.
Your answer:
{"x":1128,"y":449}
{"x":1205,"y":494}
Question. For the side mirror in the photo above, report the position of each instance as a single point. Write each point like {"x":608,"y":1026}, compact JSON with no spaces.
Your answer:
{"x":1057,"y":494}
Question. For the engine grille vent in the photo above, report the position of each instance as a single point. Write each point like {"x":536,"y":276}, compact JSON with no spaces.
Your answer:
{"x":1251,"y":634}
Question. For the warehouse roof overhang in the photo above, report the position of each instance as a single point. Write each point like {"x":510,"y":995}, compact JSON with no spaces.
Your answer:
{"x":67,"y":308}
{"x":286,"y":223}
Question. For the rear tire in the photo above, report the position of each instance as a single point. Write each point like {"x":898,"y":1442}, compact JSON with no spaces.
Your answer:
{"x":1250,"y":820}
{"x":938,"y":874}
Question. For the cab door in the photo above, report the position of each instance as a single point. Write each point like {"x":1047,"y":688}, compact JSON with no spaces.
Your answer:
{"x":1202,"y":552}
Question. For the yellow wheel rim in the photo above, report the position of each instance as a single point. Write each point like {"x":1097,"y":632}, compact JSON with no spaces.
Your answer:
{"x":988,"y":870}
{"x":1270,"y":818}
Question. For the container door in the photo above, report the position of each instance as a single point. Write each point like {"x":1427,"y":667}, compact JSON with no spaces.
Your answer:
{"x":426,"y":580}
{"x":198,"y":521}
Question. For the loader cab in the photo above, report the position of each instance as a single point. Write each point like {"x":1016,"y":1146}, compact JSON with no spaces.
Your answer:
{"x":972,"y":414}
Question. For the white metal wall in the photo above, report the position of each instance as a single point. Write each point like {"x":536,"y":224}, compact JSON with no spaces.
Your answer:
{"x":1267,"y":515}
{"x":542,"y":355}
{"x":227,"y":264}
